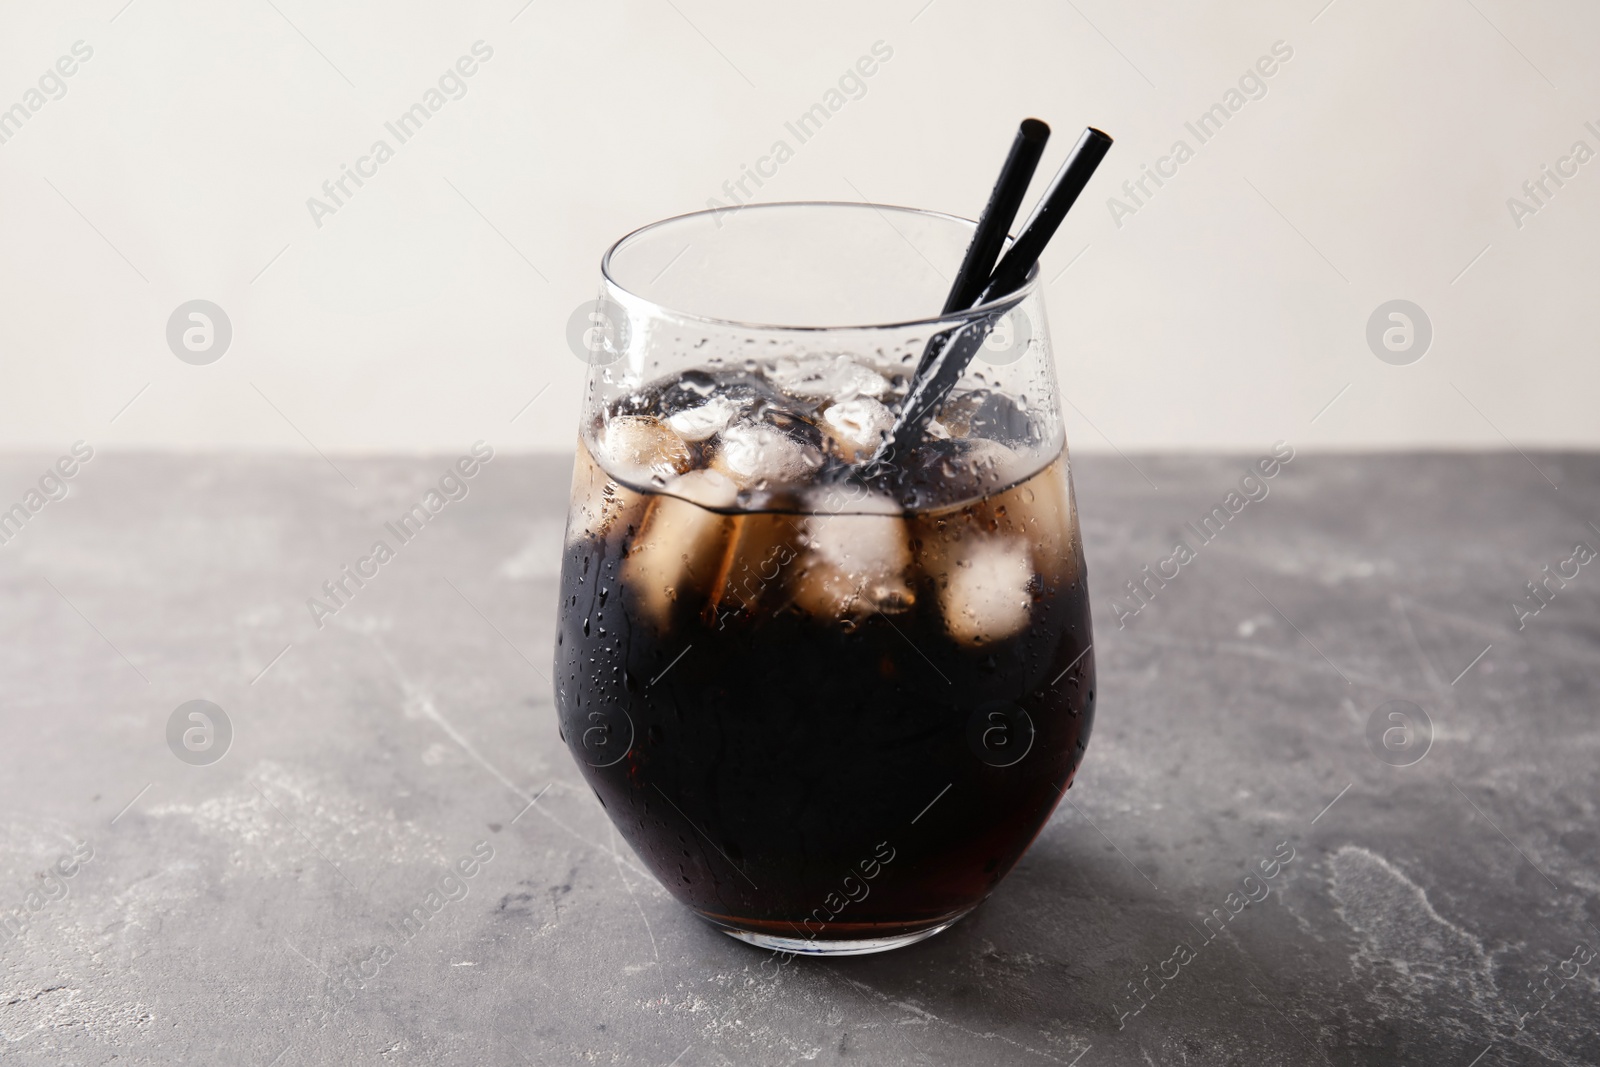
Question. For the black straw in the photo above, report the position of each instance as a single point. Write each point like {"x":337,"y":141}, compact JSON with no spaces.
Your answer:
{"x":948,"y":355}
{"x":995,"y":222}
{"x":1047,"y":217}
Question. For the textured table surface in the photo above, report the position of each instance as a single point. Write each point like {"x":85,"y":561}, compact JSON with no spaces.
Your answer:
{"x":246,"y":910}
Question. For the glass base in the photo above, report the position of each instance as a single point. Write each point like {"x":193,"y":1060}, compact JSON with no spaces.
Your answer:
{"x":859,"y":946}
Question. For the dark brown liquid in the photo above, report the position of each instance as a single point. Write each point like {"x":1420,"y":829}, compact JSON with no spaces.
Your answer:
{"x":769,"y":737}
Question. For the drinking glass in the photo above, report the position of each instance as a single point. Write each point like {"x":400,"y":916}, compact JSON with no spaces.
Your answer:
{"x":828,"y":701}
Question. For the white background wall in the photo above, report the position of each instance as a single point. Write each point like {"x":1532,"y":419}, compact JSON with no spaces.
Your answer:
{"x":1226,"y":313}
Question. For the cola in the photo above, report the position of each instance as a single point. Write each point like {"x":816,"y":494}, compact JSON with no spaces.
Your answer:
{"x":824,"y":699}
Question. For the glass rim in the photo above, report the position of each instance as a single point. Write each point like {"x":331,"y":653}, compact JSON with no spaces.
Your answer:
{"x":998,"y":305}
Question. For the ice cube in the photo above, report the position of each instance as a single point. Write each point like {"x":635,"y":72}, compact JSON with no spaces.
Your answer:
{"x":761,"y":455}
{"x":845,"y":497}
{"x":857,"y":425}
{"x":708,"y":488}
{"x":982,"y":413}
{"x":707,"y":420}
{"x":675,"y":556}
{"x":761,"y":552}
{"x":599,"y":504}
{"x":1036,"y":513}
{"x":984,"y":589}
{"x":826,"y":377}
{"x":1041,"y":511}
{"x":641,"y":449}
{"x":854,"y":565}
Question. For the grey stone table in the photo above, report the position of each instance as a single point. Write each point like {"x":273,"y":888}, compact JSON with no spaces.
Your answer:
{"x":248,"y":910}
